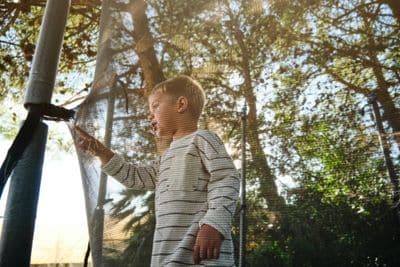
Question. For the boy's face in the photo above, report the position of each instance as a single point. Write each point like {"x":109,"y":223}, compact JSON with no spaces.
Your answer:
{"x":163,"y":111}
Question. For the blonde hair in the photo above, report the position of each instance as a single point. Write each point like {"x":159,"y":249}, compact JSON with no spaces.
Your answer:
{"x":183,"y":85}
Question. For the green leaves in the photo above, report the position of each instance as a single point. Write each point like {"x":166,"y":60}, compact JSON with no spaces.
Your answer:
{"x":306,"y":66}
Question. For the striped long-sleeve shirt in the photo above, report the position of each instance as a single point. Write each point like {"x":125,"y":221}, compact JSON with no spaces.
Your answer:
{"x":195,"y":183}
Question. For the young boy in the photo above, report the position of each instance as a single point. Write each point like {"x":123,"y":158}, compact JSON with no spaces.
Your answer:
{"x":196,"y":184}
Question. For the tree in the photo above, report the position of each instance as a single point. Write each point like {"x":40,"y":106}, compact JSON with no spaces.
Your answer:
{"x":223,"y":45}
{"x":20,"y":22}
{"x":354,"y":43}
{"x":335,"y":193}
{"x":126,"y":71}
{"x":306,"y":70}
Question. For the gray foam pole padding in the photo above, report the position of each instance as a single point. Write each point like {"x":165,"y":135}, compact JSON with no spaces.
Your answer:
{"x":47,"y":53}
{"x":20,"y":215}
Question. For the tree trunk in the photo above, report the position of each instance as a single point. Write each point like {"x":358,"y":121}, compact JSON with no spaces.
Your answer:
{"x":152,"y":72}
{"x":144,"y":48}
{"x":390,"y":112}
{"x":268,"y":187}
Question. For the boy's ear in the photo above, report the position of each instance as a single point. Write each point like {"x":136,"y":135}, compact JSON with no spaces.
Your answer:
{"x":182,"y":103}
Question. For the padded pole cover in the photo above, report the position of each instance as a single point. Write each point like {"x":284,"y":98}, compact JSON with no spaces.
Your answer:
{"x":20,"y":215}
{"x":47,"y":53}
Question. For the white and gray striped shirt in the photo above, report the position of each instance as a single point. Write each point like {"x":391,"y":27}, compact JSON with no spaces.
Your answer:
{"x":195,"y":183}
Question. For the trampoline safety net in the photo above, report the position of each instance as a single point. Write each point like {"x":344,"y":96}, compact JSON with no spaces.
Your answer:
{"x":322,"y":126}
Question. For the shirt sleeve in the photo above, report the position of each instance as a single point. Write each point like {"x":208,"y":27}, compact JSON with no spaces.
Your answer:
{"x":223,"y":186}
{"x":133,"y":176}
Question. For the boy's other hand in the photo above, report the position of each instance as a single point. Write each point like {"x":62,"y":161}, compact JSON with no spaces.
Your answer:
{"x":89,"y":144}
{"x":207,"y":245}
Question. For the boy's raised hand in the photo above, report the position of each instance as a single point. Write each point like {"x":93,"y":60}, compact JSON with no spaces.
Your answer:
{"x":89,"y":144}
{"x":207,"y":245}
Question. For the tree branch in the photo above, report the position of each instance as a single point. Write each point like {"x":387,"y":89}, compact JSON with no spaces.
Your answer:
{"x":358,"y":89}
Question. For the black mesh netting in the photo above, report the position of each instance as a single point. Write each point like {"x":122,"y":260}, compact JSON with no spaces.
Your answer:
{"x":320,"y":180}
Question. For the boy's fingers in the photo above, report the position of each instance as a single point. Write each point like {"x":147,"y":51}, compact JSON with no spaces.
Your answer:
{"x":216,"y":252}
{"x":81,"y":141}
{"x":85,"y":137}
{"x":82,"y":145}
{"x":196,"y":253}
{"x":81,"y":132}
{"x":78,"y":129}
{"x":203,"y":253}
{"x":210,"y":253}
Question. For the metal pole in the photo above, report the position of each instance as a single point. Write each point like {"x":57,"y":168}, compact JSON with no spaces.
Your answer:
{"x":243,"y":224}
{"x":386,"y":153}
{"x":98,"y":215}
{"x":103,"y":68}
{"x":18,"y":228}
